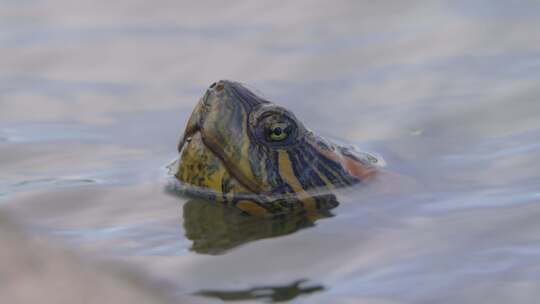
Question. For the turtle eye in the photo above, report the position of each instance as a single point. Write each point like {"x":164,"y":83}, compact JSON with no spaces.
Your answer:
{"x":278,"y":131}
{"x":275,"y":128}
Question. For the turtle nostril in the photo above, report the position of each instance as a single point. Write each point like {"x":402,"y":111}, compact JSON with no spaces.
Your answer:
{"x":219,"y":86}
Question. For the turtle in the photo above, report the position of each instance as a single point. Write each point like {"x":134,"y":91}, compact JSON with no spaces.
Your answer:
{"x":247,"y":152}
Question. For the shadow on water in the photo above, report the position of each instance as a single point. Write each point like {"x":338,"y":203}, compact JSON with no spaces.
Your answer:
{"x":270,"y":293}
{"x":215,"y":228}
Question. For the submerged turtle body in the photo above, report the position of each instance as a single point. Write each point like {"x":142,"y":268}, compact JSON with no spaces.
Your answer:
{"x":243,"y":150}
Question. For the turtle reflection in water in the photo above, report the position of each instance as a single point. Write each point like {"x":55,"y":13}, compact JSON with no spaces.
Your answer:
{"x":250,"y":154}
{"x":215,"y":228}
{"x":269,"y":293}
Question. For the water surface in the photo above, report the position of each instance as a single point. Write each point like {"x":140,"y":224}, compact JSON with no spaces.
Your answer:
{"x":94,"y":96}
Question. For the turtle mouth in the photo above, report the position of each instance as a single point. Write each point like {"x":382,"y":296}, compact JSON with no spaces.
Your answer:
{"x":199,"y":160}
{"x":200,"y":118}
{"x":194,"y":138}
{"x":195,"y":122}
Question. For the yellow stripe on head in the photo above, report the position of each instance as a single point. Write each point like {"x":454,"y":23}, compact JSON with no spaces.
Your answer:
{"x":244,"y":163}
{"x":287,"y":174}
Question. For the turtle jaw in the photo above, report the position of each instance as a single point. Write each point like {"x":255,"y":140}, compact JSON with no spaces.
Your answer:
{"x":221,"y":118}
{"x":194,"y":123}
{"x":201,"y":167}
{"x":203,"y":162}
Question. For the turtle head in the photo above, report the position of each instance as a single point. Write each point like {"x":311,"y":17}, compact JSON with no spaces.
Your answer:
{"x":237,"y":142}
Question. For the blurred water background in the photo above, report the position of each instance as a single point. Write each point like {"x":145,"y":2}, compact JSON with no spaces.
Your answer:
{"x":94,"y":96}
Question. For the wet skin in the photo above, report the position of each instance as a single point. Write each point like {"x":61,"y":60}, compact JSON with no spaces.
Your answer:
{"x":246,"y":152}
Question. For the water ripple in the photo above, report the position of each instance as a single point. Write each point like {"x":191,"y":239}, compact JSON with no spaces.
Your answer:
{"x":26,"y":186}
